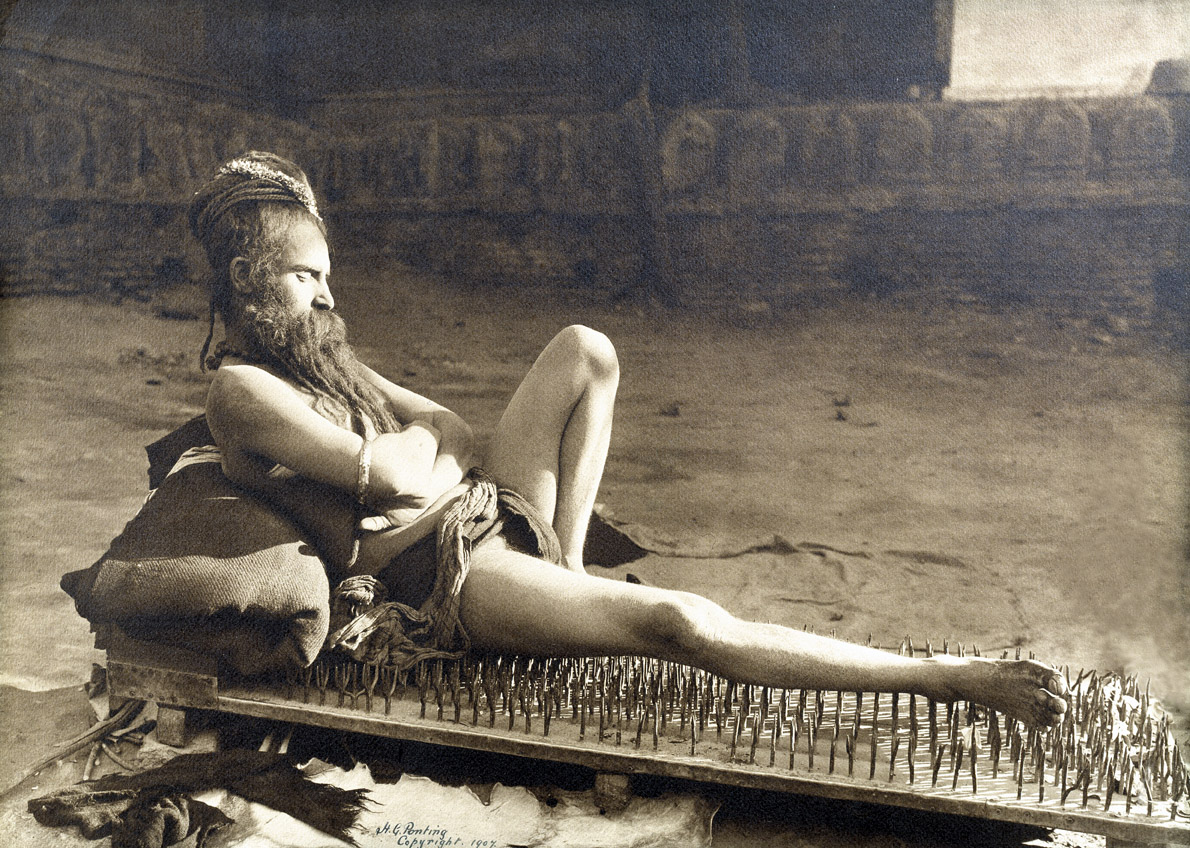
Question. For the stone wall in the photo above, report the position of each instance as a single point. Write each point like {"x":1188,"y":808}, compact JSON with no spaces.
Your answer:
{"x":1070,"y":205}
{"x":98,"y":163}
{"x":1063,"y":204}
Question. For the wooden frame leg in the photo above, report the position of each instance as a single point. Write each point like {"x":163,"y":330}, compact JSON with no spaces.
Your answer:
{"x":174,"y":726}
{"x":612,"y":791}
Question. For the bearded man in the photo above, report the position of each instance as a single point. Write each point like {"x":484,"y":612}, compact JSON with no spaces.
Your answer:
{"x":504,"y":572}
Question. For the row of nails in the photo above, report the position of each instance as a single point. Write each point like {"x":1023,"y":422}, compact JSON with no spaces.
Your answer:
{"x":1111,"y":743}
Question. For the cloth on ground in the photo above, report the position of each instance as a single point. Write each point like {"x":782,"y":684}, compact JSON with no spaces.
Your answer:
{"x":419,"y":810}
{"x":133,"y":807}
{"x":155,"y":821}
{"x":392,"y":633}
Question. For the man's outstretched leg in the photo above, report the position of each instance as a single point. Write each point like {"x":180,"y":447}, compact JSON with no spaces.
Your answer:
{"x":518,"y":604}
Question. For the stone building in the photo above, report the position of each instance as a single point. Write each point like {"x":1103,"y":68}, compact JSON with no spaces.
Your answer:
{"x":754,"y":153}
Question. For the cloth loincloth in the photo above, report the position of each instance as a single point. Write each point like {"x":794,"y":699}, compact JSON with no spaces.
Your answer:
{"x":422,"y":620}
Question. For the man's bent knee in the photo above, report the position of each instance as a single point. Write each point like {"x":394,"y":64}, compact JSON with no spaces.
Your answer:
{"x":592,"y":349}
{"x":679,"y":625}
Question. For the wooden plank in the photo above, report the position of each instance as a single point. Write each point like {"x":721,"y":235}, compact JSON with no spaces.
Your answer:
{"x":168,"y":675}
{"x":430,"y":709}
{"x":627,"y":759}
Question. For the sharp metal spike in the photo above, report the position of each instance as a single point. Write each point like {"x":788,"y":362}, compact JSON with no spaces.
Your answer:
{"x":601,"y":698}
{"x":958,"y":763}
{"x":388,"y":687}
{"x":371,"y":676}
{"x":746,"y":715}
{"x":735,"y":733}
{"x":436,"y":681}
{"x":937,"y":764}
{"x":854,"y":738}
{"x":1020,"y":775}
{"x":1111,"y":777}
{"x":307,"y":683}
{"x":513,"y":696}
{"x":640,"y":725}
{"x":875,"y":735}
{"x":583,"y":692}
{"x":456,"y":686}
{"x":836,"y":727}
{"x":718,"y":708}
{"x":473,"y":684}
{"x":793,"y":728}
{"x":1130,"y":775}
{"x":932,"y":717}
{"x":756,"y":727}
{"x":972,"y":756}
{"x":619,"y":706}
{"x":914,"y":734}
{"x":705,"y":695}
{"x":776,"y":734}
{"x":655,"y":705}
{"x":811,"y":742}
{"x":491,"y":684}
{"x":994,"y":742}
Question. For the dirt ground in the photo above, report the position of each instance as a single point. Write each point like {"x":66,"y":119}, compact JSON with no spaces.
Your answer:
{"x":996,"y":479}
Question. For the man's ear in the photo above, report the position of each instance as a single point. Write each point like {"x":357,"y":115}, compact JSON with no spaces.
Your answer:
{"x":239,"y":275}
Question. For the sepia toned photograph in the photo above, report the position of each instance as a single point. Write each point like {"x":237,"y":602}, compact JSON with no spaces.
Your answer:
{"x":610,"y":423}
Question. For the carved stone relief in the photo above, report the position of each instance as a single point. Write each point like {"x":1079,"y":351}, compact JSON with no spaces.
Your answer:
{"x":825,"y":148}
{"x":755,"y":151}
{"x":688,"y":152}
{"x":1055,"y":139}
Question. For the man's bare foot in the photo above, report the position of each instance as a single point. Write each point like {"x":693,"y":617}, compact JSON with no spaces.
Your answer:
{"x":1027,"y":690}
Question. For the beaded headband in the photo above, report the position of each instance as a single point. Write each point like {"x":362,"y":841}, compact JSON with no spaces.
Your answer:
{"x":259,"y":171}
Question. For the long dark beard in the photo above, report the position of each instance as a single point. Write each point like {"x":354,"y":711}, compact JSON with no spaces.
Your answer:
{"x":314,"y":352}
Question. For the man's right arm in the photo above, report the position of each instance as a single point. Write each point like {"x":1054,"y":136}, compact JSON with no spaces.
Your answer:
{"x":255,"y":412}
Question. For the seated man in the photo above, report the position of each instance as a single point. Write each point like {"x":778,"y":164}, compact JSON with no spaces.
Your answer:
{"x":290,"y":401}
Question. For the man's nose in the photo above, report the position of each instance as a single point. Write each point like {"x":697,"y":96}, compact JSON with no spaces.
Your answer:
{"x":323,"y":298}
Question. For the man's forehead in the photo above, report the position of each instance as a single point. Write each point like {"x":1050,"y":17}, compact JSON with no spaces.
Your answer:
{"x":305,"y":247}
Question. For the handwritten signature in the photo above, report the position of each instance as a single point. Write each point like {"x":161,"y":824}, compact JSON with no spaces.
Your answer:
{"x":410,"y":835}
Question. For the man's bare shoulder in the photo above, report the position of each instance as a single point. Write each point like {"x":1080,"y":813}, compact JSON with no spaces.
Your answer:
{"x":238,"y":381}
{"x":241,"y":392}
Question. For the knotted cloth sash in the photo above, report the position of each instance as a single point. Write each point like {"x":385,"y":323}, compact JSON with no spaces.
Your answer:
{"x":371,"y":630}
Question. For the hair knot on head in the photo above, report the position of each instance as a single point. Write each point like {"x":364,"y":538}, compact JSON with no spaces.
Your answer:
{"x":254,"y":170}
{"x":250,"y":178}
